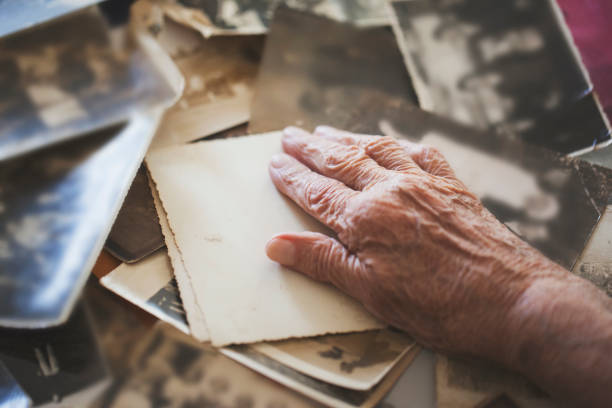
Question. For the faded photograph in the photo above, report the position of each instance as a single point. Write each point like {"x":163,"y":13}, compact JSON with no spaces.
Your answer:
{"x":57,"y":85}
{"x":505,"y":66}
{"x":255,"y":16}
{"x":219,"y":74}
{"x":172,"y":369}
{"x":321,"y":391}
{"x":315,"y":71}
{"x":354,"y":360}
{"x":467,"y":384}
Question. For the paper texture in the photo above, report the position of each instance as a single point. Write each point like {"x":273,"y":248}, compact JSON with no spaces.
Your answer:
{"x":355,"y":360}
{"x":193,"y":311}
{"x":316,"y":71}
{"x":222,"y":208}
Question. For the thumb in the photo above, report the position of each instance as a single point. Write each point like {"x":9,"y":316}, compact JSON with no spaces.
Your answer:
{"x":320,"y":257}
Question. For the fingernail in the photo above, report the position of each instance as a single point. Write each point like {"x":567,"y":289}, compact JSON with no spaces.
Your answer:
{"x":281,"y":251}
{"x":279,"y":160}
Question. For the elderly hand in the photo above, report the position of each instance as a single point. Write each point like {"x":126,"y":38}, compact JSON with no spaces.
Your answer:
{"x":412,"y":243}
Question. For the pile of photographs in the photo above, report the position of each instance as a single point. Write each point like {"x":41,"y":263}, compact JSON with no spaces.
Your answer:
{"x":198,"y":90}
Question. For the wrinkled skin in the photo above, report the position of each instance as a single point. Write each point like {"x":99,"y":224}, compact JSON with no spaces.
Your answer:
{"x":415,"y":246}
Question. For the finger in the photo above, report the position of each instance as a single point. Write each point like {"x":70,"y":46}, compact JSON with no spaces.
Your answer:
{"x":343,"y":136}
{"x":348,"y":164}
{"x":429,"y":159}
{"x":386,"y":151}
{"x":323,"y":198}
{"x":319,"y":257}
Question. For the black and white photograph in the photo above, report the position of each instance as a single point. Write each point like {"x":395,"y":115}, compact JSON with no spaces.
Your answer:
{"x":507,"y":67}
{"x":58,"y":86}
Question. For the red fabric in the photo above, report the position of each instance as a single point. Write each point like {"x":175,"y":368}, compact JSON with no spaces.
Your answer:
{"x":590,"y":22}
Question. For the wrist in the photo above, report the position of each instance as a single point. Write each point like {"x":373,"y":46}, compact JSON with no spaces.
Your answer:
{"x":560,"y":336}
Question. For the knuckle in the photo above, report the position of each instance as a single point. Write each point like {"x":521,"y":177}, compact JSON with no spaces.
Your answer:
{"x":361,"y":213}
{"x":315,"y":193}
{"x":324,"y":197}
{"x":340,"y":157}
{"x":432,"y":154}
{"x":381,"y":143}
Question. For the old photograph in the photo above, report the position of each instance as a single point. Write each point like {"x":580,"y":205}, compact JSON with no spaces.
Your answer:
{"x":323,"y":392}
{"x":315,"y":71}
{"x":508,"y":67}
{"x":355,"y":360}
{"x":59,"y":190}
{"x":174,"y":370}
{"x":150,"y":285}
{"x":223,"y":17}
{"x":58,"y":85}
{"x":219,"y":74}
